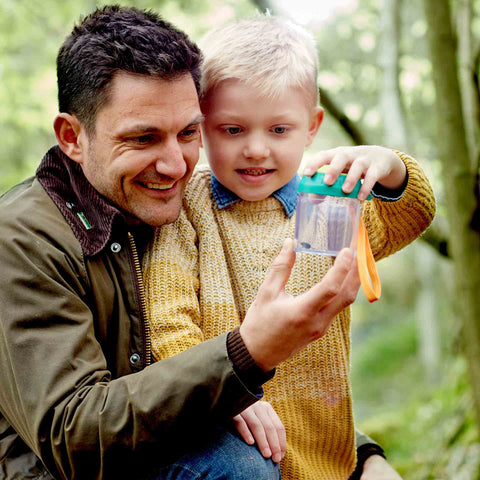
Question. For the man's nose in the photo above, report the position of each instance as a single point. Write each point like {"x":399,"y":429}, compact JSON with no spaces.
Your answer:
{"x":256,"y":147}
{"x":171,"y":162}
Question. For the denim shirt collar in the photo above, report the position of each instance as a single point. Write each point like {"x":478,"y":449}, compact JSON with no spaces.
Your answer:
{"x":287,"y":195}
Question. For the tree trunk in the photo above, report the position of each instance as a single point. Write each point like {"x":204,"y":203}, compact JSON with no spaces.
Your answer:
{"x":396,"y":136}
{"x":393,"y":116}
{"x":469,"y":92}
{"x":460,"y":183}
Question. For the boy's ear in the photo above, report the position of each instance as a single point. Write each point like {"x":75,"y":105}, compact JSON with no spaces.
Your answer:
{"x":70,"y":136}
{"x":315,"y":123}
{"x":201,"y":142}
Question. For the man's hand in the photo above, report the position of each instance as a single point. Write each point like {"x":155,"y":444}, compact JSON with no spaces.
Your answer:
{"x":377,"y":468}
{"x":260,"y":424}
{"x":370,"y":162}
{"x":277,"y":325}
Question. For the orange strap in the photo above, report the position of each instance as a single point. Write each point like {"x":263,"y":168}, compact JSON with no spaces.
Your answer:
{"x":367,"y":267}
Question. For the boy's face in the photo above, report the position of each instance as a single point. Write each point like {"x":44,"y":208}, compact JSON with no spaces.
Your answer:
{"x":254,"y":143}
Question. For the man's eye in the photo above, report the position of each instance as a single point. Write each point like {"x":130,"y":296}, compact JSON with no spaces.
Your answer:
{"x":144,"y":139}
{"x":280,"y":130}
{"x":189,"y":133}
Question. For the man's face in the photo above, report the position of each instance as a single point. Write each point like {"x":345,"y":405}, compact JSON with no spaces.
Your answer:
{"x":145,"y":146}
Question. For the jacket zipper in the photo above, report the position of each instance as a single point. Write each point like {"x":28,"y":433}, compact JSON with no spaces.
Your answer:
{"x":143,"y":305}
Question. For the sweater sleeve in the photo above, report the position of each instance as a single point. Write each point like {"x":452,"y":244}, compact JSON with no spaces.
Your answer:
{"x":391,"y":225}
{"x":171,"y":289}
{"x":171,"y":281}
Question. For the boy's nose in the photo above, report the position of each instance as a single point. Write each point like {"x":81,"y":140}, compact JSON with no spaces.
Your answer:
{"x":256,"y":149}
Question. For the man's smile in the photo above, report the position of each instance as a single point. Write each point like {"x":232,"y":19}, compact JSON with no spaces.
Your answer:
{"x":158,"y":186}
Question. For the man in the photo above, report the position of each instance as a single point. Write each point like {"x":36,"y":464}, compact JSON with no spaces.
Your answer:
{"x":78,"y":396}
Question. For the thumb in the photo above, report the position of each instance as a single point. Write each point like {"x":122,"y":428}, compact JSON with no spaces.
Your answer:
{"x":279,"y":272}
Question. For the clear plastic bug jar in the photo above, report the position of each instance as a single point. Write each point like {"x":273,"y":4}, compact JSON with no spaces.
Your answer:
{"x":327,"y":219}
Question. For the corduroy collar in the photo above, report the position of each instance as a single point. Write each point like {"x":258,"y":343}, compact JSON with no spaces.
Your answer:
{"x":90,"y":215}
{"x":287,"y":195}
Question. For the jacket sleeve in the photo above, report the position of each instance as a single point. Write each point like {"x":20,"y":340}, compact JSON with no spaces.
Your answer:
{"x":391,"y":225}
{"x":171,"y":283}
{"x":55,"y":388}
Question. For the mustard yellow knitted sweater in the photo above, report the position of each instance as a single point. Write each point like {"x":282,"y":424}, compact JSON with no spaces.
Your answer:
{"x":203,"y":272}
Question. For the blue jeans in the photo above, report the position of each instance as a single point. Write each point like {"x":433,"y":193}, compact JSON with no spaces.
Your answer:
{"x":223,"y":456}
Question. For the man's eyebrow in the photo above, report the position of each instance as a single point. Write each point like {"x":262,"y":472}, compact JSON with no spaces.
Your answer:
{"x":198,"y":119}
{"x":146,"y":127}
{"x":139,"y":128}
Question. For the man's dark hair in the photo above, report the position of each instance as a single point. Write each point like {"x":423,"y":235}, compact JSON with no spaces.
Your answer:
{"x":119,"y":39}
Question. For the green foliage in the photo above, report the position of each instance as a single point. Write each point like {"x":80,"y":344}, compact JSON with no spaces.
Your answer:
{"x":426,"y":425}
{"x":432,"y":436}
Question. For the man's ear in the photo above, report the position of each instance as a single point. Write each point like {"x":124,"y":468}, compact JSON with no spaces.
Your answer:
{"x":315,"y":122}
{"x":201,"y":142}
{"x":71,"y":136}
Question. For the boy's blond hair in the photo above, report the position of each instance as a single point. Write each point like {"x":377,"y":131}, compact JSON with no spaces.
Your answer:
{"x":266,"y":52}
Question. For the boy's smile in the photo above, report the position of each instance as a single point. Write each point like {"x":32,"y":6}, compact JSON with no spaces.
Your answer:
{"x":254,"y":143}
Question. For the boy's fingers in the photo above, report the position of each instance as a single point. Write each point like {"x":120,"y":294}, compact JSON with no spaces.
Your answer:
{"x":271,"y":432}
{"x":316,"y":162}
{"x":339,"y":163}
{"x":282,"y":436}
{"x":279,"y":273}
{"x":243,"y":430}
{"x":259,"y":431}
{"x":357,"y":170}
{"x":371,"y":177}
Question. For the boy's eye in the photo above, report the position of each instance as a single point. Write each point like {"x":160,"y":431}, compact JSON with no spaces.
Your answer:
{"x":280,"y":130}
{"x":233,"y":130}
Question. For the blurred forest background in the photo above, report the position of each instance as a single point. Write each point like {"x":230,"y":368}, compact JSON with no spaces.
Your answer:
{"x":399,"y":73}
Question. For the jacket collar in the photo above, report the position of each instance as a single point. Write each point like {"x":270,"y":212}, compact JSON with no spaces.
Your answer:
{"x":90,"y":215}
{"x":287,"y":195}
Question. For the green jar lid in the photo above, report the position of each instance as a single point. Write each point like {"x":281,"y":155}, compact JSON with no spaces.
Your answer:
{"x":316,"y":184}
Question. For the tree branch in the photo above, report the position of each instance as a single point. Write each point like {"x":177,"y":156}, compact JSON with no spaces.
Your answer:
{"x":437,"y":238}
{"x":351,"y":129}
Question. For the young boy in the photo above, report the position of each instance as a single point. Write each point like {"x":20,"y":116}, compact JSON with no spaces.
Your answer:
{"x":259,"y":98}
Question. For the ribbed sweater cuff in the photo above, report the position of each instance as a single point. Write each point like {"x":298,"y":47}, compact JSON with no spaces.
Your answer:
{"x":363,"y":452}
{"x":244,"y":364}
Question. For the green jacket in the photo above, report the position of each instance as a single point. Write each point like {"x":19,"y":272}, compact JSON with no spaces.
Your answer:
{"x":78,"y":396}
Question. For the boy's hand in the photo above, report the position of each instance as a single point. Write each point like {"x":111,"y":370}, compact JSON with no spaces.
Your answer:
{"x":370,"y":162}
{"x":377,"y":468}
{"x":260,"y":424}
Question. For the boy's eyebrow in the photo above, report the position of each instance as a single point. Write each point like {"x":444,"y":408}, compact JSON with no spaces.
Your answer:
{"x":287,"y":116}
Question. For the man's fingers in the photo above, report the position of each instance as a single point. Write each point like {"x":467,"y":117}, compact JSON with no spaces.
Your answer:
{"x":349,"y":290}
{"x":322,"y":293}
{"x":279,"y":272}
